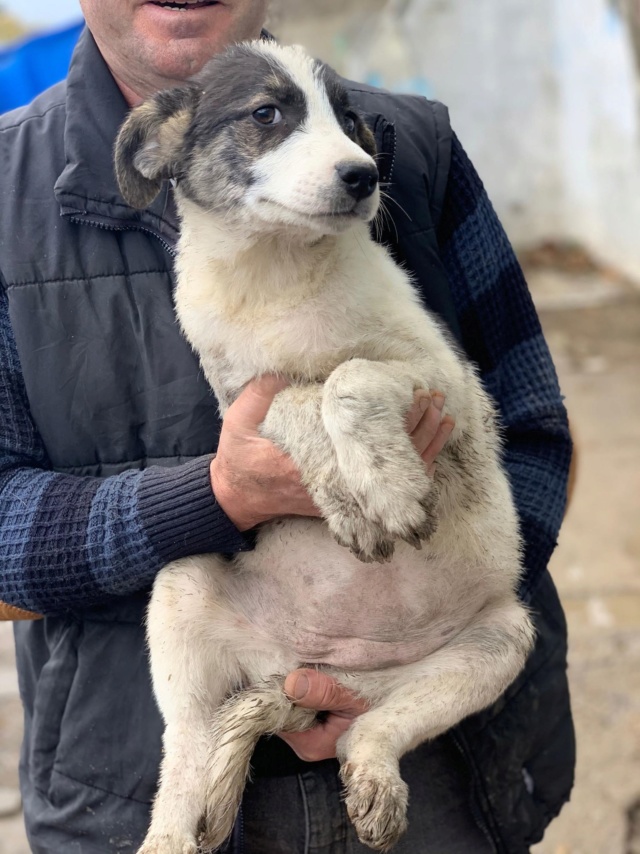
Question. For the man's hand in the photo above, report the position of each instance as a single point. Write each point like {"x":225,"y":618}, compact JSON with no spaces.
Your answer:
{"x":314,"y":690}
{"x":254,"y":481}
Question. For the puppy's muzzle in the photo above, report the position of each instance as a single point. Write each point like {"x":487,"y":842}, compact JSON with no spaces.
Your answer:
{"x":359,"y":180}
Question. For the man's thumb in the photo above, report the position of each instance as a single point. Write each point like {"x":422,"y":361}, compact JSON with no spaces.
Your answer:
{"x":315,"y":690}
{"x":250,"y":408}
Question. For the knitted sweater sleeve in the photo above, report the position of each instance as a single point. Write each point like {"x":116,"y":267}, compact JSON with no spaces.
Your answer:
{"x":70,"y":542}
{"x":502,"y":334}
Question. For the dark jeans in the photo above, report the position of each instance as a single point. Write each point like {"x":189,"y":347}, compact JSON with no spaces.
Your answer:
{"x":305,"y":813}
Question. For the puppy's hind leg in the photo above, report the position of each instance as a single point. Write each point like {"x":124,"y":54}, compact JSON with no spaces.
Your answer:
{"x":424,"y":700}
{"x":236,"y":728}
{"x":190,"y":678}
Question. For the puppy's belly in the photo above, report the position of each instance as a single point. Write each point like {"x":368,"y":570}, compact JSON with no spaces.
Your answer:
{"x":310,"y":595}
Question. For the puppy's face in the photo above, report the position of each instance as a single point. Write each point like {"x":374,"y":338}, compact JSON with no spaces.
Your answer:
{"x":264,"y":136}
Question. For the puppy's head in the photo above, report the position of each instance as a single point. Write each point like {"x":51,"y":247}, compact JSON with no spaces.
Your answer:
{"x":264,"y":136}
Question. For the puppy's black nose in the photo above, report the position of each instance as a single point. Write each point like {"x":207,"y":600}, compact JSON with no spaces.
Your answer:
{"x":360,"y":180}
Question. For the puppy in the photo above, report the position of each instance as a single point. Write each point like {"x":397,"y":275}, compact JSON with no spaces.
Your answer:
{"x":277,"y":273}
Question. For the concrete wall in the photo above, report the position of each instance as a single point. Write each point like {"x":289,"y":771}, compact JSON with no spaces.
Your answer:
{"x":543,"y":95}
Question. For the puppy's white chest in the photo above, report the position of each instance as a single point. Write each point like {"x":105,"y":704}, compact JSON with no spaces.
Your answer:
{"x":301,"y":316}
{"x":308,"y":339}
{"x":304,"y":341}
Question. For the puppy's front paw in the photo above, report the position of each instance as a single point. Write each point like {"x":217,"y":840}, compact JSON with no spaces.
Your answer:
{"x":367,"y":540}
{"x":167,"y":843}
{"x":405,"y":511}
{"x":377,"y":799}
{"x":370,"y":526}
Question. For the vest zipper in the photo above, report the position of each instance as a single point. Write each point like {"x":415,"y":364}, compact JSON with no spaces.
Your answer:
{"x":129,"y":227}
{"x":476,"y":810}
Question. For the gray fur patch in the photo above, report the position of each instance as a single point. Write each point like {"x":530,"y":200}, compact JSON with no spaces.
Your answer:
{"x":224,"y":140}
{"x":339,"y":100}
{"x":148,"y":148}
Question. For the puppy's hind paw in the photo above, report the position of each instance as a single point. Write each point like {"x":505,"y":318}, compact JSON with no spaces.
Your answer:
{"x":166,"y":843}
{"x":377,"y":805}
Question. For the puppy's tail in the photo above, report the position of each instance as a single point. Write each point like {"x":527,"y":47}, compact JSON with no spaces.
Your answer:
{"x":236,"y":728}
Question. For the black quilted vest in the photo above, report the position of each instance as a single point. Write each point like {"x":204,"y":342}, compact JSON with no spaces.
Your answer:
{"x":112,"y":386}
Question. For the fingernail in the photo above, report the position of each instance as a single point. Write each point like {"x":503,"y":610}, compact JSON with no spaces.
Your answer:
{"x":438,"y":401}
{"x":301,"y":687}
{"x":424,"y":403}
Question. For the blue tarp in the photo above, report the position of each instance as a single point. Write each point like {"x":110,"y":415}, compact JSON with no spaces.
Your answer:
{"x":30,"y":66}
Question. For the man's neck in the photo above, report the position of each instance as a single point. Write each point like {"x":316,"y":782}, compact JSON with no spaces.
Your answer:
{"x":131,"y":97}
{"x":135,"y":91}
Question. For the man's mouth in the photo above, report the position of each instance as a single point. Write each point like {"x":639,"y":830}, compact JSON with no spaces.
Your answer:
{"x":183,"y":5}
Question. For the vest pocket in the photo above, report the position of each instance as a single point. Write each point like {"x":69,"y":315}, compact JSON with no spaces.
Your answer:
{"x":111,"y":729}
{"x":50,"y":693}
{"x":522,"y":750}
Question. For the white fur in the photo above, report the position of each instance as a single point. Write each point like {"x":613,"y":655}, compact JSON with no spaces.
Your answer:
{"x":428,"y":637}
{"x":293,"y":179}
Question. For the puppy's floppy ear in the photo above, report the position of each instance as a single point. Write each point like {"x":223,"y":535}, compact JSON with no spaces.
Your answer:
{"x":150,"y":142}
{"x":365,"y":138}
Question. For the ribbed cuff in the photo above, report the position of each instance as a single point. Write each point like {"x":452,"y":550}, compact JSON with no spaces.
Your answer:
{"x":181,"y":516}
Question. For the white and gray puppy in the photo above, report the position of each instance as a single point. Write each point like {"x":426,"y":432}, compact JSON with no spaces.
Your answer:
{"x":277,"y":273}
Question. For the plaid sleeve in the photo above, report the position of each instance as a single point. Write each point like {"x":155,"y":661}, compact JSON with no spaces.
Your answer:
{"x":502,"y":334}
{"x":69,"y":542}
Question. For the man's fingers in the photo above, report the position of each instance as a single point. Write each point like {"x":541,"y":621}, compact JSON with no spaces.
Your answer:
{"x":251,"y":407}
{"x":314,"y":690}
{"x":445,"y":428}
{"x":427,"y":428}
{"x":318,"y":743}
{"x":421,"y":401}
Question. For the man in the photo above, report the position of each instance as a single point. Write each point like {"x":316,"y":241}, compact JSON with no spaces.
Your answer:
{"x":106,"y":470}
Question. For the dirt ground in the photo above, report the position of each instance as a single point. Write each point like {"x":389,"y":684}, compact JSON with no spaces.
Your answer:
{"x":12,"y":839}
{"x":593,"y":326}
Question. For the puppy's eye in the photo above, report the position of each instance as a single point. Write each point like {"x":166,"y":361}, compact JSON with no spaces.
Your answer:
{"x":268,"y":116}
{"x":350,"y":124}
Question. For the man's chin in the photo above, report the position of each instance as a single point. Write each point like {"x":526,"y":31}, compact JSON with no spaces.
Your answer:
{"x":177,"y":45}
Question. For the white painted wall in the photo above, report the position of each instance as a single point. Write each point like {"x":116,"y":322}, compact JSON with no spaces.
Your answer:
{"x":542,"y":95}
